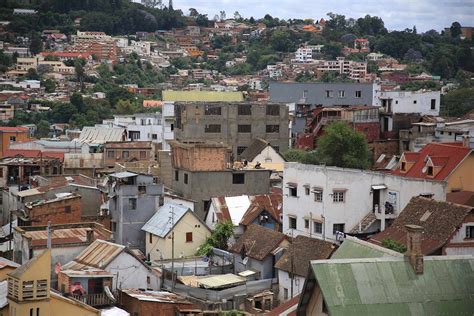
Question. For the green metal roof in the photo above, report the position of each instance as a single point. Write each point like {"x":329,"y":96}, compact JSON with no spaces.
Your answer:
{"x":202,"y":96}
{"x":389,"y":286}
{"x":352,"y":248}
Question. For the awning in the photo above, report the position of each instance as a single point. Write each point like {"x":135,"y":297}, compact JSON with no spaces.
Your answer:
{"x":316,"y":189}
{"x":379,"y":187}
{"x":291,"y":185}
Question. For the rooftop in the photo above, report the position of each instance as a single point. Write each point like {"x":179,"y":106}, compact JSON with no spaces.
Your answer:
{"x":352,"y":248}
{"x":160,"y":224}
{"x":202,"y":96}
{"x":156,"y":296}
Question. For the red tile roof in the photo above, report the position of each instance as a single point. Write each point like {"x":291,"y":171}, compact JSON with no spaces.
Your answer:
{"x":13,"y":129}
{"x":446,"y":156}
{"x":283,"y":308}
{"x":33,"y":153}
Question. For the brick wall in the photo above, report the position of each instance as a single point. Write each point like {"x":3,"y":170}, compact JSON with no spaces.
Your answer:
{"x":200,"y":158}
{"x":370,"y":130}
{"x":62,"y":211}
{"x":388,"y":147}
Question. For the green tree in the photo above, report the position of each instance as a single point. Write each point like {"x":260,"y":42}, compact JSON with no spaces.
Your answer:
{"x":283,"y":41}
{"x":42,"y":129}
{"x":344,"y":147}
{"x":457,"y":102}
{"x":126,"y":107}
{"x":219,"y":238}
{"x":455,"y":29}
{"x":36,"y":44}
{"x":394,"y":245}
{"x":301,"y":156}
{"x":80,"y":73}
{"x":77,"y":100}
{"x":49,"y":85}
{"x":32,"y":74}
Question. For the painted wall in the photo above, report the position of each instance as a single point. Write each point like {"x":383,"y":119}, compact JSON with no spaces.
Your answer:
{"x":463,"y":177}
{"x":268,"y":155}
{"x":284,"y":282}
{"x":358,"y":195}
{"x":130,"y":273}
{"x":413,"y":101}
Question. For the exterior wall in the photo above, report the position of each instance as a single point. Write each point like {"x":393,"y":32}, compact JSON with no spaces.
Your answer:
{"x":55,"y":211}
{"x":191,"y":122}
{"x":358,"y":200}
{"x":202,"y":186}
{"x":59,"y":306}
{"x":21,"y":136}
{"x":268,"y":155}
{"x":316,"y":93}
{"x":128,"y":222}
{"x":113,"y":154}
{"x":189,"y":223}
{"x":284,"y":282}
{"x":145,"y":308}
{"x":82,"y":163}
{"x":463,"y":177}
{"x":413,"y":101}
{"x":265,"y":267}
{"x":200,"y":158}
{"x":130,"y":273}
{"x":460,"y":244}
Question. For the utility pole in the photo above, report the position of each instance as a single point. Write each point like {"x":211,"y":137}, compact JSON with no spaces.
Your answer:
{"x":172,"y":247}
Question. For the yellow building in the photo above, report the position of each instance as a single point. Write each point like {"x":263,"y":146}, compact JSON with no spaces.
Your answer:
{"x":189,"y":232}
{"x":29,"y":292}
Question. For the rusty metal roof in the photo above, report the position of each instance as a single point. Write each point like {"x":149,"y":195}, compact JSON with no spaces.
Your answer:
{"x":98,"y":255}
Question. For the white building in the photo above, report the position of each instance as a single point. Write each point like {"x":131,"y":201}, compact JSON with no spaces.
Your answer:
{"x":319,"y":201}
{"x":423,"y":102}
{"x":140,"y":126}
{"x":303,"y":55}
{"x":353,"y":69}
{"x":167,"y":123}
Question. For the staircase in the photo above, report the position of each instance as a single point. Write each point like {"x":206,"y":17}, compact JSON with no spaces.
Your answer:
{"x":365,"y":223}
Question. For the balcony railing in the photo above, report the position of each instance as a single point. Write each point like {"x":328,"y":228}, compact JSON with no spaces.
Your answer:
{"x":94,"y":299}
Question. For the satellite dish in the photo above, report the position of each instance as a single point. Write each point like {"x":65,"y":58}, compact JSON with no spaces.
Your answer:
{"x":424,"y":169}
{"x":246,"y":259}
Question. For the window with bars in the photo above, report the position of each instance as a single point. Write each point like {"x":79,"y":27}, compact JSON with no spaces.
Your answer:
{"x":212,"y":110}
{"x":212,"y":128}
{"x":273,"y":110}
{"x":317,"y":227}
{"x":244,"y":128}
{"x":273,"y":128}
{"x":470,"y":232}
{"x":292,"y":222}
{"x":318,"y":195}
{"x":338,"y":196}
{"x":244,"y":109}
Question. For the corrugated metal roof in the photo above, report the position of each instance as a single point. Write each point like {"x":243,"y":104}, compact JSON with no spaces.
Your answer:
{"x":389,"y":286}
{"x":156,"y":296}
{"x":203,"y":96}
{"x":98,"y":255}
{"x":160,"y":224}
{"x":220,"y":281}
{"x":353,"y":248}
{"x":100,"y":135}
{"x":122,"y":175}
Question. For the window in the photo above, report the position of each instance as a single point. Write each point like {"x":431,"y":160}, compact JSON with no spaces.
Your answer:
{"x":338,"y":196}
{"x":306,"y":223}
{"x":342,"y":94}
{"x":430,"y":171}
{"x":329,"y":94}
{"x":212,"y":128}
{"x":212,"y":110}
{"x":317,"y":228}
{"x":176,"y":175}
{"x":247,"y":128}
{"x":189,"y":237}
{"x":148,"y":280}
{"x":31,"y":311}
{"x":293,"y":190}
{"x":358,"y":94}
{"x":403,"y":166}
{"x":172,"y":127}
{"x":185,"y":178}
{"x":240,"y":149}
{"x":134,"y":135}
{"x":318,"y":195}
{"x":37,"y":311}
{"x":141,"y":189}
{"x":292,"y":222}
{"x":414,"y":101}
{"x":306,"y":190}
{"x":154,"y":136}
{"x":114,"y":226}
{"x":285,"y":293}
{"x":469,"y":232}
{"x":273,"y":109}
{"x":27,"y":289}
{"x":337,"y":228}
{"x":111,"y":154}
{"x":67,"y":209}
{"x":132,"y":204}
{"x":125,"y":154}
{"x":142,"y":154}
{"x":238,"y":178}
{"x":150,"y":238}
{"x":273,"y":128}
{"x":433,"y":104}
{"x":244,"y":109}
{"x":305,"y":94}
{"x":13,"y":138}
{"x":41,"y":288}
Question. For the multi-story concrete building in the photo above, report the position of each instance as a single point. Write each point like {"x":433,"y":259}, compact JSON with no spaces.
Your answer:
{"x":139,"y":126}
{"x":356,"y":70}
{"x":236,"y":124}
{"x":204,"y":170}
{"x":303,"y":55}
{"x":307,"y":96}
{"x":132,"y":201}
{"x":122,"y":152}
{"x":319,"y":201}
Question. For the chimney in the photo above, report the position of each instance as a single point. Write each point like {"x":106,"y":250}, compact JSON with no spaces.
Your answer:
{"x":90,"y":235}
{"x":414,"y":254}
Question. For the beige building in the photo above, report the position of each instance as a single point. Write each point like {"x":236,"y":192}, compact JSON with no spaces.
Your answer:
{"x":178,"y":221}
{"x":29,"y":292}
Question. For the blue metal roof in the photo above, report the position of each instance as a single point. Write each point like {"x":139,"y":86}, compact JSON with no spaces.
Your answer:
{"x":160,"y":223}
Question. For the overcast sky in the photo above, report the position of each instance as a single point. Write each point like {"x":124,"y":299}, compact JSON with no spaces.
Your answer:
{"x":397,"y":14}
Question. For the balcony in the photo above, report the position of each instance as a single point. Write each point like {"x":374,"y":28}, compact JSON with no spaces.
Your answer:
{"x":93,"y":300}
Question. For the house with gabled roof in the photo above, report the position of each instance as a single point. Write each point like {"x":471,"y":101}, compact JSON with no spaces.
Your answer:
{"x":103,"y":268}
{"x":451,"y":162}
{"x":380,"y":283}
{"x":258,"y":249}
{"x":174,"y":223}
{"x":244,"y":210}
{"x":293,"y":264}
{"x":448,"y":228}
{"x":260,"y":151}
